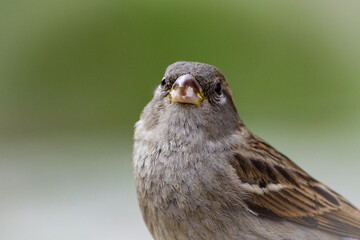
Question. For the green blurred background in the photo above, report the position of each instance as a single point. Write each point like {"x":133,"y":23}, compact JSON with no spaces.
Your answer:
{"x":75,"y":75}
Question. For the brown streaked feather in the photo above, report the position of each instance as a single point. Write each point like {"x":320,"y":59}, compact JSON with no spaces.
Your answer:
{"x":279,"y":189}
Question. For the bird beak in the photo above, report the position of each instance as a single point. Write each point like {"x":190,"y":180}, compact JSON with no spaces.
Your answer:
{"x":186,"y":90}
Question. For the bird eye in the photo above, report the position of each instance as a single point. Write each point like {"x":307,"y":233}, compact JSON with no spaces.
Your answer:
{"x":218,"y":89}
{"x":163,"y":81}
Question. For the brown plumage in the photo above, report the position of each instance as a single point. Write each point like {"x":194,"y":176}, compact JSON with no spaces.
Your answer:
{"x":201,"y":174}
{"x":294,"y":195}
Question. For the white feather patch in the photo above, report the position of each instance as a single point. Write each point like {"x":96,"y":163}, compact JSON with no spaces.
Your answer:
{"x":269,"y":188}
{"x":223,"y":100}
{"x":252,"y":188}
{"x":274,"y":187}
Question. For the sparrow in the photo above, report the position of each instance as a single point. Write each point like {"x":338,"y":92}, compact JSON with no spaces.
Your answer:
{"x":201,"y":174}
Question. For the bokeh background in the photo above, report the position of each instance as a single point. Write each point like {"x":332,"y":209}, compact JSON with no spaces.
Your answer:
{"x":75,"y":75}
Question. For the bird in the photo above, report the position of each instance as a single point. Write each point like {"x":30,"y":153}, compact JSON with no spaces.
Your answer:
{"x":201,"y":174}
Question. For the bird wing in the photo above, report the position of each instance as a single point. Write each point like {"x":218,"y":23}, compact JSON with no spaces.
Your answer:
{"x":279,"y":189}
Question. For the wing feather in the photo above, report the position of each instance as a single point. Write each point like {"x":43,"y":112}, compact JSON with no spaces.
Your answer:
{"x":279,"y":189}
